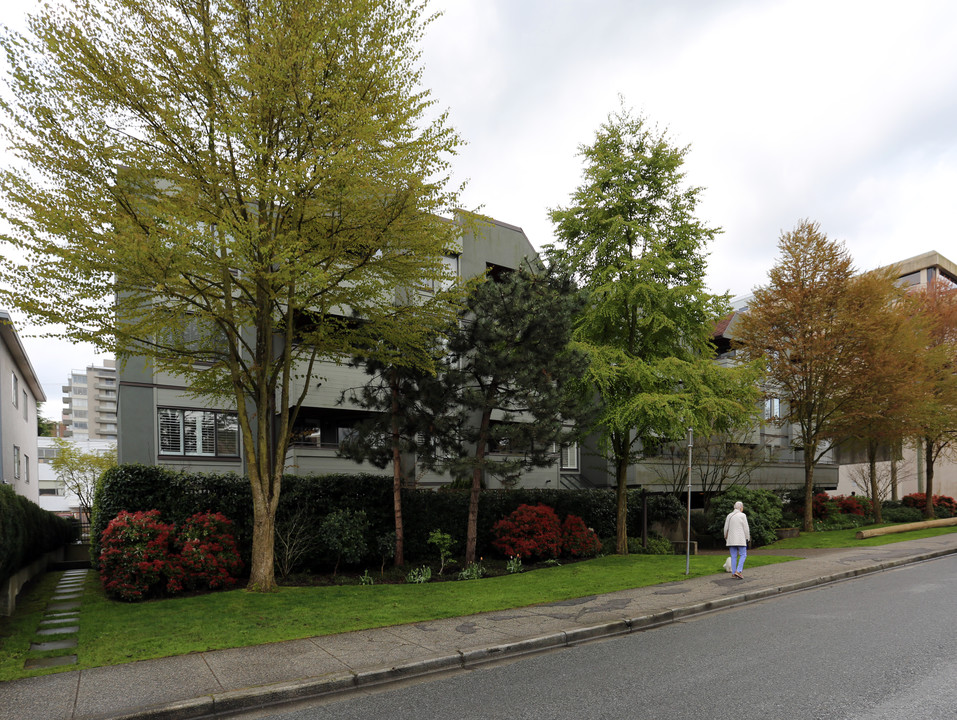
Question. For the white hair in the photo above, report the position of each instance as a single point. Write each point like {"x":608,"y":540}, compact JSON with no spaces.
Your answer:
{"x":739,"y":506}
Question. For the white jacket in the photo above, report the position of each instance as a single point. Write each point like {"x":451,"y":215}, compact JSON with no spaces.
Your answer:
{"x":736,"y":529}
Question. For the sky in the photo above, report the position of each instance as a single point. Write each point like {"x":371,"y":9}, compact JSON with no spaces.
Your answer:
{"x":843,"y":112}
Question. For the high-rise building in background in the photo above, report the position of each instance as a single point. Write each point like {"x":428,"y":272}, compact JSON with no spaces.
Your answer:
{"x":89,"y":401}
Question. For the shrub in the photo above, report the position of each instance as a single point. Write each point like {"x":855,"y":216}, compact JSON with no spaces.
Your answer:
{"x":444,"y":544}
{"x":141,"y":556}
{"x":657,"y":545}
{"x":579,"y":540}
{"x":343,"y":534}
{"x":853,"y":505}
{"x":529,"y":531}
{"x":27,"y":531}
{"x":944,"y":506}
{"x":135,"y":555}
{"x":208,"y":558}
{"x":896,"y":512}
{"x":763,"y":508}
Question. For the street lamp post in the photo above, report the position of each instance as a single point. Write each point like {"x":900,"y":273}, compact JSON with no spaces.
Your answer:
{"x":688,"y":538}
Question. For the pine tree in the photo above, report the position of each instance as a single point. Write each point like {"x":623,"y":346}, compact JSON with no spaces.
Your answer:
{"x":510,"y":360}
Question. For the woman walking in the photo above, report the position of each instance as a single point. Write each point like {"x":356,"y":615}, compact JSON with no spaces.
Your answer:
{"x":737,"y":535}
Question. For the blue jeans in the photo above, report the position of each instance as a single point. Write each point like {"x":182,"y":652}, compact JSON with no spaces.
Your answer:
{"x":738,"y":555}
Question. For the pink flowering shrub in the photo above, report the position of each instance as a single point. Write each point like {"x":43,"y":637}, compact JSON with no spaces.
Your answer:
{"x":142,"y":557}
{"x":579,"y":540}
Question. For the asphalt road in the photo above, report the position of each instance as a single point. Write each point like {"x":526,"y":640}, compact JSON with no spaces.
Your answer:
{"x":880,"y":647}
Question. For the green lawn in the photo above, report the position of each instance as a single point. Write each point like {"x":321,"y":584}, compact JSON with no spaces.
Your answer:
{"x":113,"y":632}
{"x":845,"y":538}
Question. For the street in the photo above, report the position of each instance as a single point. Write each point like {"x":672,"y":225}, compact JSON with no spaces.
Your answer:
{"x":875,"y":648}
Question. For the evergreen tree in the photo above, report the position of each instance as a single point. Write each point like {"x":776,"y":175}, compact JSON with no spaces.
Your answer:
{"x":631,"y":237}
{"x":411,"y":416}
{"x":513,"y":373}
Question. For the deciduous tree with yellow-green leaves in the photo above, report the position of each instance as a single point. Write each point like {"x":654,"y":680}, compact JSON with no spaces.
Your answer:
{"x":232,"y":189}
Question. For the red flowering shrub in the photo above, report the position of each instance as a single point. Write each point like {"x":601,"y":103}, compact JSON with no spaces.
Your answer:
{"x":941,"y":502}
{"x":140,"y":556}
{"x":531,"y":531}
{"x":135,"y":555}
{"x":579,"y":540}
{"x":208,"y":557}
{"x":852,"y":505}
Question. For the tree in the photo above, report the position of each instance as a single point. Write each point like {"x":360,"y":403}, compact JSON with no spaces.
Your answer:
{"x":410,"y":409}
{"x":222,"y":188}
{"x":719,"y":460}
{"x":937,"y":305}
{"x":45,"y":428}
{"x":892,"y":371}
{"x":814,"y":325}
{"x":80,"y":471}
{"x":515,"y":378}
{"x":631,"y":238}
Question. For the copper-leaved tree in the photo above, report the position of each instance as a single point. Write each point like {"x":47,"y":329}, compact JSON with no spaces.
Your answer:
{"x":219,"y":186}
{"x":818,"y":327}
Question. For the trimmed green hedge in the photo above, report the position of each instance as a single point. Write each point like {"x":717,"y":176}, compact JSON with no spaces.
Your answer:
{"x":27,"y":531}
{"x":309,"y":499}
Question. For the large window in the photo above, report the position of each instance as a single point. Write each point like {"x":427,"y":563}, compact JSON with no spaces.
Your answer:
{"x":198,"y":433}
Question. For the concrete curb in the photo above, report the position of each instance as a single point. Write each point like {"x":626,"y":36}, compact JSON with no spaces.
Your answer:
{"x":311,"y":688}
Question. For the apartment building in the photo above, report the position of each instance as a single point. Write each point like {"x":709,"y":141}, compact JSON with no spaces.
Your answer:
{"x":89,"y":400}
{"x":20,"y":393}
{"x":160,"y":423}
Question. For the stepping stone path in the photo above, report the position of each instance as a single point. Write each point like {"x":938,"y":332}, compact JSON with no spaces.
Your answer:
{"x":62,"y":618}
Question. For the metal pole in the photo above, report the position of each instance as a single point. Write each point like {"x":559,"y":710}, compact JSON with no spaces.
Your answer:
{"x":688,"y":539}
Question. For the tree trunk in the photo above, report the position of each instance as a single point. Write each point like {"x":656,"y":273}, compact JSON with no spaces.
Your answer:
{"x":872,"y":473}
{"x":262,"y":573}
{"x":621,"y":476}
{"x":471,"y":533}
{"x":808,"y":490}
{"x":621,"y":471}
{"x":895,"y":495}
{"x":397,"y":473}
{"x":929,"y":486}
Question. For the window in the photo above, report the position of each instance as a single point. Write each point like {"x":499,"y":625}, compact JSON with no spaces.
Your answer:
{"x":16,"y":390}
{"x":772,"y":408}
{"x":26,"y":468}
{"x":570,"y":457}
{"x":16,"y":462}
{"x":25,"y":416}
{"x":198,"y":433}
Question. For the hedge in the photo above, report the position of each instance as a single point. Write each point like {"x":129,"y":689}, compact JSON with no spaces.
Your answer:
{"x":310,"y":498}
{"x":27,"y":531}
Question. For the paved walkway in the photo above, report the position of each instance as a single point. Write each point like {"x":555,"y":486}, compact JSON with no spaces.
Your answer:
{"x":201,"y":684}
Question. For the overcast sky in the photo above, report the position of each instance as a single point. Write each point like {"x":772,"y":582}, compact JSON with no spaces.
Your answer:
{"x":840,"y":111}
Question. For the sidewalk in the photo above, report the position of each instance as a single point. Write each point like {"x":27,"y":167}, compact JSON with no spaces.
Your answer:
{"x":200,"y":684}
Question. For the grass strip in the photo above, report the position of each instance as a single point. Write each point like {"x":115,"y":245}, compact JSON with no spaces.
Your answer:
{"x":113,"y":632}
{"x":846,"y":538}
